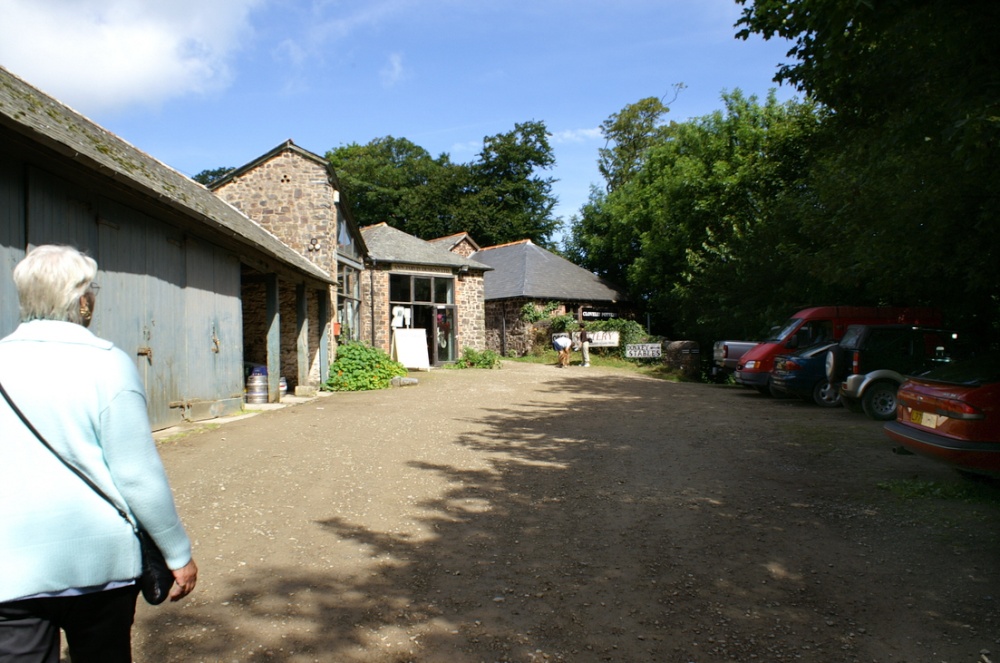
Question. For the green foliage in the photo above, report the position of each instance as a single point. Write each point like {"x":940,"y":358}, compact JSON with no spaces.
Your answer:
{"x":629,"y":332}
{"x":209,"y":175}
{"x":530,"y":312}
{"x":472,"y":358}
{"x":905,"y":187}
{"x":879,"y":188}
{"x":498,"y":198}
{"x":563,"y":323}
{"x":629,"y":134}
{"x":361,"y":367}
{"x":704,"y":233}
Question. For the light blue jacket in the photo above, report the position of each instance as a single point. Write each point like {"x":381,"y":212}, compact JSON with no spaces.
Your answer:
{"x":85,"y":397}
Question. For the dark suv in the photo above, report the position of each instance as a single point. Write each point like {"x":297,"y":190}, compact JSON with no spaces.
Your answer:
{"x":871,"y":361}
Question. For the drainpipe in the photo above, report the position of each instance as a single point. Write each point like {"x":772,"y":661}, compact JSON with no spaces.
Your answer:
{"x":371,"y":298}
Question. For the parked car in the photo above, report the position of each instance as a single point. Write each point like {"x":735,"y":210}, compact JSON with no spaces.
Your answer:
{"x":952,"y":414}
{"x":803,"y":375}
{"x":815,"y":325}
{"x":871,"y":361}
{"x":726,"y":355}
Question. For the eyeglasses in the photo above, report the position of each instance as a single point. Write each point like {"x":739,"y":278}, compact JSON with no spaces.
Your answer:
{"x":94,"y":288}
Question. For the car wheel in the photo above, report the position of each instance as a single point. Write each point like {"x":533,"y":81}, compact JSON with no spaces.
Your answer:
{"x":826,"y":394}
{"x":879,"y":400}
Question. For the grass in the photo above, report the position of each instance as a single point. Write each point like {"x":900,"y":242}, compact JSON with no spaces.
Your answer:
{"x":650,"y":369}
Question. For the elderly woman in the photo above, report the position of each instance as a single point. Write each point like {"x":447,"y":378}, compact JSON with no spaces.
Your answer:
{"x":68,"y":560}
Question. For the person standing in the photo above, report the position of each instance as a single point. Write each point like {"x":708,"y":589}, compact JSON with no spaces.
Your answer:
{"x":70,"y":560}
{"x":584,"y":344}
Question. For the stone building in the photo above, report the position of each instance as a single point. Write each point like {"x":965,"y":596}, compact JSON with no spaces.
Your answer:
{"x":524,"y":273}
{"x":295,"y":195}
{"x":412,"y":284}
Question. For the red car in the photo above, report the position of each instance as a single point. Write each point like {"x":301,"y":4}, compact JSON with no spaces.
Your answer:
{"x":952,"y":414}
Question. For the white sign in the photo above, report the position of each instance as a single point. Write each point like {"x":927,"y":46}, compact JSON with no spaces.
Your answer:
{"x":599,"y":339}
{"x":409,"y":348}
{"x":643,"y":351}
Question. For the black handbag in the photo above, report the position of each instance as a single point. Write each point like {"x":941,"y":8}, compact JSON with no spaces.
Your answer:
{"x":156,"y":579}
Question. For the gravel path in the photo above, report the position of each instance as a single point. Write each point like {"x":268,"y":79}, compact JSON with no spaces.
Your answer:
{"x":532,"y":514}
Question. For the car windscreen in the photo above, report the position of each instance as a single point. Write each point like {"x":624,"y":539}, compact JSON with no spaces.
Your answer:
{"x":786,"y":331}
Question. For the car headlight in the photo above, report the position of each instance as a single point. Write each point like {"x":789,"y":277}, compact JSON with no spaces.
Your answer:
{"x":750,"y":364}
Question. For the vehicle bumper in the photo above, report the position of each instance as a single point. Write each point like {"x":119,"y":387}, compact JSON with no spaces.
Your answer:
{"x":982,"y":457}
{"x":851,"y":386}
{"x":751,"y":378}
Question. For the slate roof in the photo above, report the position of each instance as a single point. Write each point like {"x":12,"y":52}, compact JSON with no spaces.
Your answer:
{"x":387,"y":244}
{"x":41,"y":119}
{"x":451,"y":241}
{"x":524,"y":270}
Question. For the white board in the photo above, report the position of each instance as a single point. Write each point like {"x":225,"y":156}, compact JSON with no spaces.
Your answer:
{"x":409,"y":347}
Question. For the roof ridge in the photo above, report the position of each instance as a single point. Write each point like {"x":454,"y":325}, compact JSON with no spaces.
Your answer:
{"x":500,"y":246}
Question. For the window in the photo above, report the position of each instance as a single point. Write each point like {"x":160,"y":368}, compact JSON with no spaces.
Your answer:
{"x":349,"y":303}
{"x":428,"y":303}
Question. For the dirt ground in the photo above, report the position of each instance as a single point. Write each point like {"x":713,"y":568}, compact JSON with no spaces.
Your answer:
{"x":534,"y":514}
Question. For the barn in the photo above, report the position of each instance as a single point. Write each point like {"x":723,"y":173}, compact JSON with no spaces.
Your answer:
{"x":175,"y":260}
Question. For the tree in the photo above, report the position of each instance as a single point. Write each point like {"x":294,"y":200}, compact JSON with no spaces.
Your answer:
{"x":628,"y":134}
{"x":210,"y":175}
{"x":908,"y":189}
{"x":510,"y":200}
{"x":497,"y":198}
{"x":392,"y":180}
{"x":707,"y":230}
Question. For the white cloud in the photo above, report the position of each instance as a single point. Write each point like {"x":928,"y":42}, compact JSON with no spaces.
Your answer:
{"x":467,"y":148}
{"x":576,"y":136}
{"x":101,"y":55}
{"x":393,"y":71}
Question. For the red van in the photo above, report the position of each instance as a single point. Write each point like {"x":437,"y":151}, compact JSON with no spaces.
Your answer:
{"x":819,"y":325}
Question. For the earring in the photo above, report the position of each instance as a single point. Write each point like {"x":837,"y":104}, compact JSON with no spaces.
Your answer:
{"x":85,"y":313}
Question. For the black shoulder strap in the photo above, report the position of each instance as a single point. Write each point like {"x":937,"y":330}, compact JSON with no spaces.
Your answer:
{"x":87,"y":480}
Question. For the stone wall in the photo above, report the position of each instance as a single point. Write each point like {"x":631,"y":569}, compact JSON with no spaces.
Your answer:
{"x":469,"y":297}
{"x":471,"y":332}
{"x":290,"y":196}
{"x":506,"y":314}
{"x":375,"y":305}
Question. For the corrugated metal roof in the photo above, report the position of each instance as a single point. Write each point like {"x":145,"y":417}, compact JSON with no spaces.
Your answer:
{"x":522,"y":269}
{"x":40,"y":118}
{"x":387,"y":244}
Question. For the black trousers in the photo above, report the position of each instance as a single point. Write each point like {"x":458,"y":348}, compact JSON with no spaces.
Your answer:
{"x":98,"y":627}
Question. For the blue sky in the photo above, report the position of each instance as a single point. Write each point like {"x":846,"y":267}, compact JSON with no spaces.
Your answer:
{"x":206,"y":83}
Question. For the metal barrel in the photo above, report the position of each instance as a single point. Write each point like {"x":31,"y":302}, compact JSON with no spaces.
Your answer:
{"x":256,"y":389}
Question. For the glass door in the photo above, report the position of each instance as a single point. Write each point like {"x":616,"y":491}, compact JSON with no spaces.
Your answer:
{"x":444,"y":335}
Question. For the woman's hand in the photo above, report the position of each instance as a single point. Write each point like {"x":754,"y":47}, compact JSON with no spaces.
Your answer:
{"x":185,"y":579}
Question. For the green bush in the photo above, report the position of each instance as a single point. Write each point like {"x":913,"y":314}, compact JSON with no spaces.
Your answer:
{"x":629,"y":332}
{"x":563,"y":323}
{"x":472,"y":358}
{"x":531,"y":313}
{"x":361,"y":367}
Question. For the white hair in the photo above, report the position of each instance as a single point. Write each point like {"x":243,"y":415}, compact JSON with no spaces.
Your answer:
{"x":50,"y":281}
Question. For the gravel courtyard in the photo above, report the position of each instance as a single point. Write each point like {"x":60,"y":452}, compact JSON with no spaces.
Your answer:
{"x":533,"y":514}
